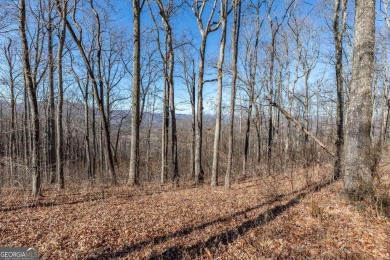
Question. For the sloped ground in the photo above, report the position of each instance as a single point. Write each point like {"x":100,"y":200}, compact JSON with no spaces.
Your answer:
{"x":264,"y":218}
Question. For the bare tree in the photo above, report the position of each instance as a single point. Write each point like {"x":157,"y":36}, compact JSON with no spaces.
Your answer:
{"x":275,"y":23}
{"x":205,"y":28}
{"x":358,"y":143}
{"x":62,"y":8}
{"x":166,"y":13}
{"x":84,"y":89}
{"x":96,"y":80}
{"x":339,"y":22}
{"x":10,"y":56}
{"x":189,"y":77}
{"x":51,"y":128}
{"x":251,"y":59}
{"x":165,"y":121}
{"x":32,"y":93}
{"x":235,"y":37}
{"x":135,"y":96}
{"x":217,"y":136}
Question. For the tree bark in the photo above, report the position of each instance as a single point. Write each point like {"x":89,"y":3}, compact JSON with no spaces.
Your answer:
{"x":252,"y":82}
{"x":60,"y":134}
{"x":169,"y":62}
{"x":31,"y":89}
{"x":217,"y":134}
{"x":171,"y":65}
{"x":135,"y":98}
{"x":164,"y":134}
{"x":51,"y":138}
{"x":95,"y":81}
{"x":235,"y":36}
{"x":204,"y":30}
{"x":9,"y":55}
{"x":199,"y":173}
{"x":358,"y":143}
{"x":340,"y":8}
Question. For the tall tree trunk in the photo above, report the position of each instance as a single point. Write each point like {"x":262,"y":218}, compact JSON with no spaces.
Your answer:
{"x":358,"y":143}
{"x":31,"y":89}
{"x":193,"y":122}
{"x":105,"y":119}
{"x":165,"y":120}
{"x":270,"y":110}
{"x":164,"y":133}
{"x":94,"y":145}
{"x":135,"y":98}
{"x":199,"y":174}
{"x":235,"y":37}
{"x":51,"y":138}
{"x":26,"y":133}
{"x":340,"y":8}
{"x":204,"y":29}
{"x":60,"y":134}
{"x":91,"y":176}
{"x":252,"y":81}
{"x":217,"y":134}
{"x":149,"y":134}
{"x":247,"y":129}
{"x":189,"y":77}
{"x":258,"y":124}
{"x":171,"y":66}
{"x":9,"y":55}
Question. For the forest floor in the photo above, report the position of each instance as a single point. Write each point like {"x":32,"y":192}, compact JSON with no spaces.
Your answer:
{"x":260,"y":218}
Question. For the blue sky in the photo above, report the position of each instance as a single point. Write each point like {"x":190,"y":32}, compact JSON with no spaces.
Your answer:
{"x":314,"y":10}
{"x":185,"y":21}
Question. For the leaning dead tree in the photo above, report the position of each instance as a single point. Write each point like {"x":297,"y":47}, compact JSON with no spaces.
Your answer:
{"x":302,"y":127}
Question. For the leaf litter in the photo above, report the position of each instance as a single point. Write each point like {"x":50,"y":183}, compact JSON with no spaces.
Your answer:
{"x":250,"y":221}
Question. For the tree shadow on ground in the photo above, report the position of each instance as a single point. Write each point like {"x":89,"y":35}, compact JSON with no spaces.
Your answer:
{"x":229,"y":236}
{"x":178,"y":252}
{"x":39,"y":202}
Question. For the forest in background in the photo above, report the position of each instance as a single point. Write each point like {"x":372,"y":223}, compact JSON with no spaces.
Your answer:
{"x":84,"y":100}
{"x":195,"y":129}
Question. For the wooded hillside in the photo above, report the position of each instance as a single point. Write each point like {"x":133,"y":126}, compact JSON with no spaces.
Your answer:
{"x":195,"y":128}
